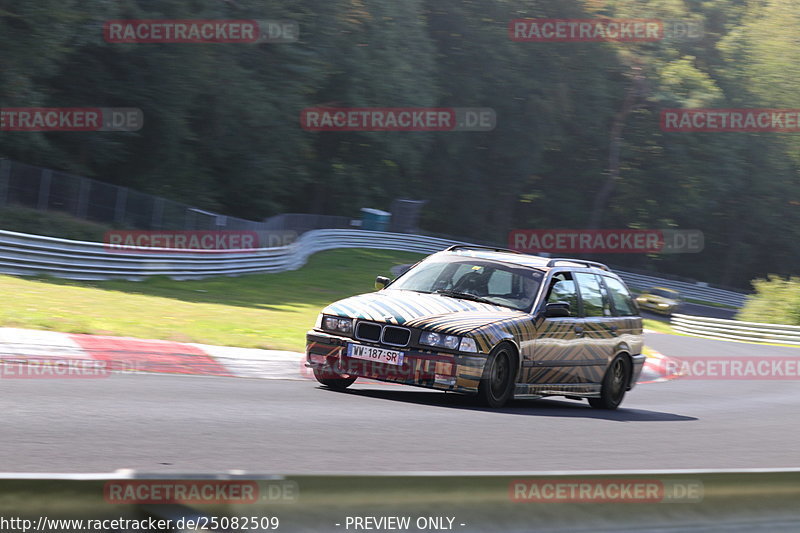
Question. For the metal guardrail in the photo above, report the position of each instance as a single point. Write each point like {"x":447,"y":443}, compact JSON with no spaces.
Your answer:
{"x":717,"y":328}
{"x":687,"y":290}
{"x":23,"y":254}
{"x":683,"y":500}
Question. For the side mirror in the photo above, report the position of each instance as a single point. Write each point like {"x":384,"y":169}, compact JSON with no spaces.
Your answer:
{"x":556,"y":310}
{"x":381,"y":282}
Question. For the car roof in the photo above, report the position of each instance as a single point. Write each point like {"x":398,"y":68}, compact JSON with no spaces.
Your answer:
{"x":520,"y":259}
{"x":663,"y":289}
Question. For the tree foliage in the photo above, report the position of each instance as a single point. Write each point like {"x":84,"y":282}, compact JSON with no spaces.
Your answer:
{"x":776,"y":301}
{"x":577,"y":142}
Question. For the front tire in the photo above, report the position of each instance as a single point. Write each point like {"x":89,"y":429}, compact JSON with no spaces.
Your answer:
{"x":615,"y":383}
{"x":497,"y":384}
{"x":328,"y":379}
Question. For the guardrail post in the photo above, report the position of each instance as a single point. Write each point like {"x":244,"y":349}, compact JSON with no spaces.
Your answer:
{"x":119,"y":209}
{"x":83,"y":198}
{"x":44,"y":189}
{"x":5,"y":178}
{"x":158,"y":213}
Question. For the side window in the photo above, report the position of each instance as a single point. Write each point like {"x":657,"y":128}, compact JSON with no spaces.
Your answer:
{"x":593,"y":294}
{"x":563,"y":289}
{"x":607,"y":308}
{"x":623,"y":302}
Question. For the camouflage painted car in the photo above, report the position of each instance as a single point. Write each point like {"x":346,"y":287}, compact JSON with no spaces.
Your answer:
{"x":493,"y":323}
{"x":659,"y":300}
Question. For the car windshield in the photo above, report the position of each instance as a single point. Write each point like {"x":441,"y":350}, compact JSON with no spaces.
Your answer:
{"x":664,"y":293}
{"x":474,"y":279}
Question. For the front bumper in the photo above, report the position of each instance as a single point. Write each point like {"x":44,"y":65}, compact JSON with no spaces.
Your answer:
{"x":638,"y":365}
{"x":458,"y":372}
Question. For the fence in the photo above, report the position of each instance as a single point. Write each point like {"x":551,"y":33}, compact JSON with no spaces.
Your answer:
{"x":717,"y":328}
{"x":301,"y":222}
{"x":23,"y":254}
{"x":85,"y":198}
{"x":121,"y":207}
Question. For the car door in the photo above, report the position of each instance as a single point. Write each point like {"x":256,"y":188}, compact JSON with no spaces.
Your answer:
{"x":626,"y":317}
{"x":599,"y":329}
{"x":557,"y":338}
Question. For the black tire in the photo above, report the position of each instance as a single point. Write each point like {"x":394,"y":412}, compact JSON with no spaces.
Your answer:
{"x":335,"y":383}
{"x":615,"y":383}
{"x":499,"y":375}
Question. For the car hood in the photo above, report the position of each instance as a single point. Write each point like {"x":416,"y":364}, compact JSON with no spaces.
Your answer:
{"x":413,"y":309}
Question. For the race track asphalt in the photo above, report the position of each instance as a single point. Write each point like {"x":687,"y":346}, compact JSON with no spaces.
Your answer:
{"x":196,"y":424}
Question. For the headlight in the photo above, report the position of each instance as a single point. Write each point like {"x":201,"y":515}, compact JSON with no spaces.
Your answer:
{"x":337,"y":324}
{"x":429,"y":338}
{"x":663,"y":305}
{"x":468,"y":345}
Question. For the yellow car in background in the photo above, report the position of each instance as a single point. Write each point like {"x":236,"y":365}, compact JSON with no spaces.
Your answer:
{"x":659,"y":300}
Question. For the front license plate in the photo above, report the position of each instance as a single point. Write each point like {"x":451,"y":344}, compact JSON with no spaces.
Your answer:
{"x":390,"y":357}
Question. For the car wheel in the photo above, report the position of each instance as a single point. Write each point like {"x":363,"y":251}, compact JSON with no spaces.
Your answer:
{"x":497,"y":384}
{"x":615,"y":383}
{"x":335,"y":383}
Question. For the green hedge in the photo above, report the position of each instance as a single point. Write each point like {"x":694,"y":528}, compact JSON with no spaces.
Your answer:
{"x":50,"y":224}
{"x":776,"y":301}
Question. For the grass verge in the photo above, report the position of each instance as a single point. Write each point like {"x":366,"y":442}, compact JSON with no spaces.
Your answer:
{"x":658,"y":326}
{"x":258,"y":311}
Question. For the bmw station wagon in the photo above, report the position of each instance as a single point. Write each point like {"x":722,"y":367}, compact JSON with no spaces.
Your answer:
{"x":488,"y":322}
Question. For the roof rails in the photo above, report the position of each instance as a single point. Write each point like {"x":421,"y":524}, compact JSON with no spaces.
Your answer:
{"x":587,"y":264}
{"x":478,"y":247}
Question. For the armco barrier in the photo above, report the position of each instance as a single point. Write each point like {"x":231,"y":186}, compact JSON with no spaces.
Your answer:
{"x":723,"y":500}
{"x":717,"y":328}
{"x":687,"y":290}
{"x":23,"y":254}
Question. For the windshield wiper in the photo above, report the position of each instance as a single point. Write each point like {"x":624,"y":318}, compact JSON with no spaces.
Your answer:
{"x":463,"y":296}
